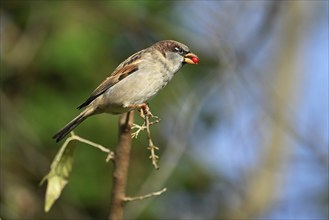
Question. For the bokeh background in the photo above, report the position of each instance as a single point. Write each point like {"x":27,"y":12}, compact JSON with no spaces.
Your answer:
{"x":243,"y":135}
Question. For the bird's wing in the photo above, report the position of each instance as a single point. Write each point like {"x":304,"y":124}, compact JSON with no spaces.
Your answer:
{"x":121,"y":72}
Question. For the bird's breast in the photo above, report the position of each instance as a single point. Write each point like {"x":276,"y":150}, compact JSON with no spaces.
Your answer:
{"x":142,"y":85}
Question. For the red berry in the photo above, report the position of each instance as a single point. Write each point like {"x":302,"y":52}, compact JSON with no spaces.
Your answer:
{"x":195,"y":60}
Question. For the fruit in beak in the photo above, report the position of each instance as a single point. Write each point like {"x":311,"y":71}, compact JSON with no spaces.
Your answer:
{"x":191,"y":58}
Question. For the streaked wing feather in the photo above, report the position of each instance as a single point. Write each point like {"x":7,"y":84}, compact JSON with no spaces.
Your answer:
{"x":118,"y":75}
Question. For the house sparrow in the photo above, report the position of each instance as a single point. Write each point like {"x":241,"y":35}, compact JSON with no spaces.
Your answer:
{"x":134,"y":82}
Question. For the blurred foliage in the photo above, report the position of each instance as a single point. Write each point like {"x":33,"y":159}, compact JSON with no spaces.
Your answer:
{"x":218,"y":118}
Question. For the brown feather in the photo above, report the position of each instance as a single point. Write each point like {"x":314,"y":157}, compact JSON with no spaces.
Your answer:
{"x":118,"y":75}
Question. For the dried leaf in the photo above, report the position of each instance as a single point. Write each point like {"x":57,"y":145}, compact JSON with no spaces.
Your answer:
{"x":59,"y":173}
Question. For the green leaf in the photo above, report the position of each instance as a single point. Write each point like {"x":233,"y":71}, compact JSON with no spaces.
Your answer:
{"x":58,"y":175}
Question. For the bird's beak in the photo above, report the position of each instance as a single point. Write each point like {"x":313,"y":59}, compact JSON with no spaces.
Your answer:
{"x":191,"y":58}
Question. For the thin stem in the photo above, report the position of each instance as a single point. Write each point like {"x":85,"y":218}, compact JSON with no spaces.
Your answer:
{"x":151,"y":146}
{"x":76,"y":137}
{"x":129,"y":199}
{"x":98,"y":146}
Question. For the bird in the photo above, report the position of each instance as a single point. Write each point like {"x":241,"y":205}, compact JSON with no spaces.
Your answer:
{"x":135,"y":81}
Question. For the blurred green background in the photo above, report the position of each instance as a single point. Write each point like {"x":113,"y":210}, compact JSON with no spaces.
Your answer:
{"x":243,"y":135}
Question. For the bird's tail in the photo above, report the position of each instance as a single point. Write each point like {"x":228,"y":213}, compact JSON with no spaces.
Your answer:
{"x":72,"y":124}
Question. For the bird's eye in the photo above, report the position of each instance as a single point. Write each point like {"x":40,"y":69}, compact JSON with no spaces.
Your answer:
{"x":179,"y":50}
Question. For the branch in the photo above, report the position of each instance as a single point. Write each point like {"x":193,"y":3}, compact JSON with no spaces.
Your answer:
{"x":146,"y":114}
{"x":129,"y":199}
{"x":98,"y":146}
{"x":121,"y":165}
